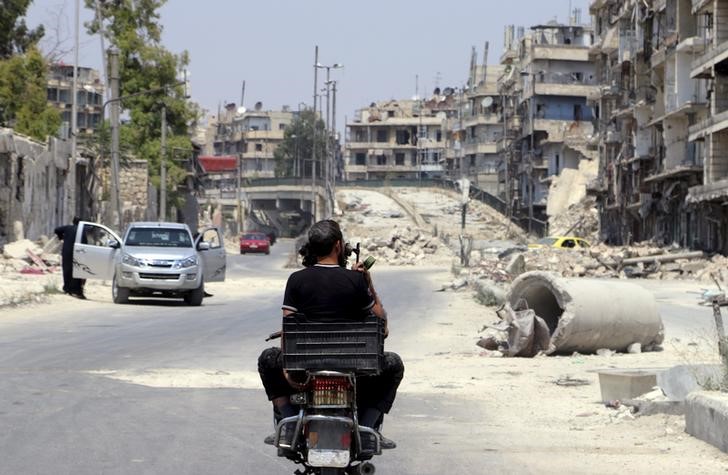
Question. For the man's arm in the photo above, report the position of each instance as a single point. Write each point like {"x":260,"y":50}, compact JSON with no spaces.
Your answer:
{"x":377,"y":309}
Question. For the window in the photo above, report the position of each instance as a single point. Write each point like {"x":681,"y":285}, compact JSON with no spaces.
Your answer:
{"x":211,"y":236}
{"x":568,"y":243}
{"x":381,"y":159}
{"x":361,"y":159}
{"x":259,"y":147}
{"x":281,"y":126}
{"x":382,"y":135}
{"x":472,"y":160}
{"x":577,"y":112}
{"x":96,"y":236}
{"x":399,"y":159}
{"x":158,"y":237}
{"x":413,"y":159}
{"x":439,"y":136}
{"x":403,"y":137}
{"x":558,"y":163}
{"x":390,"y":113}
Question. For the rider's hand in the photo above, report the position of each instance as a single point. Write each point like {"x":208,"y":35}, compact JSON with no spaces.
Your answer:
{"x":359,"y":267}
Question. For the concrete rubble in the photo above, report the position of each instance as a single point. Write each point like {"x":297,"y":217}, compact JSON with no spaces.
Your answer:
{"x":29,"y":270}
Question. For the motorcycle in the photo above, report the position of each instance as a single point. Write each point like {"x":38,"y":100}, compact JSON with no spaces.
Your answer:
{"x":325,"y":437}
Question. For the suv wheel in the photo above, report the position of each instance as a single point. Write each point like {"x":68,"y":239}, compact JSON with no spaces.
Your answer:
{"x":119,"y":294}
{"x":194,"y":297}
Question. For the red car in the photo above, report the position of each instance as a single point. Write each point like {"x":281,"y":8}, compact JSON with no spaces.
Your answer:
{"x":254,"y":242}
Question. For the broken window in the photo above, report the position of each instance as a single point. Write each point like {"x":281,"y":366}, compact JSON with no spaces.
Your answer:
{"x":390,"y":113}
{"x":361,"y":159}
{"x":381,"y":159}
{"x":382,"y":135}
{"x":413,"y":159}
{"x":399,"y":159}
{"x":281,"y":126}
{"x":577,"y":112}
{"x":403,"y":137}
{"x":259,"y":147}
{"x":438,"y":136}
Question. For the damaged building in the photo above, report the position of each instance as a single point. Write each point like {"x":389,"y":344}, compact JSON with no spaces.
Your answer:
{"x":656,"y":62}
{"x":547,"y":79}
{"x":401,"y":139}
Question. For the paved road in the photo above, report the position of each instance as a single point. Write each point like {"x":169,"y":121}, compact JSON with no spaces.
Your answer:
{"x":59,"y":418}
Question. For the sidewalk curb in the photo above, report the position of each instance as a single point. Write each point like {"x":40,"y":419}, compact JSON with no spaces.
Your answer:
{"x":706,"y":417}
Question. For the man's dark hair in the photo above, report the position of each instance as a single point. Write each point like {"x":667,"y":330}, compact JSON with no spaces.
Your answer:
{"x":76,"y":220}
{"x":322,"y":238}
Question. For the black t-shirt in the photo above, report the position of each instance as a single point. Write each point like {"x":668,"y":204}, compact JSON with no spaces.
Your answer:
{"x":328,"y":292}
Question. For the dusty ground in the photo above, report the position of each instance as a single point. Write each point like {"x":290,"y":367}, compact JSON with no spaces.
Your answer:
{"x":544,"y":427}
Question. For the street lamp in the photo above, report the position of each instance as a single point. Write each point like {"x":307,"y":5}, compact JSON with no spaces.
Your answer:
{"x":327,"y":159}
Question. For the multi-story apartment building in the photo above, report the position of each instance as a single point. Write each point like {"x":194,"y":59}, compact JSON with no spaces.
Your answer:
{"x":90,"y":95}
{"x":547,"y":78}
{"x":644,"y":52}
{"x":400,"y":139}
{"x":479,"y":128}
{"x":253,"y":136}
{"x":708,"y":133}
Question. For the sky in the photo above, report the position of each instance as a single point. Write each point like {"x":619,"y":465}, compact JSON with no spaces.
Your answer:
{"x":383,"y":44}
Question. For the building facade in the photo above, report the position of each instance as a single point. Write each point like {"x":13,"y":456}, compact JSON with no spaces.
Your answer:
{"x":90,"y":97}
{"x":656,"y":97}
{"x":252,"y":135}
{"x":547,"y":78}
{"x":399,"y":139}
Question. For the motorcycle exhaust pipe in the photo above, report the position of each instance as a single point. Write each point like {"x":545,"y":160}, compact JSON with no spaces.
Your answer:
{"x":367,"y":469}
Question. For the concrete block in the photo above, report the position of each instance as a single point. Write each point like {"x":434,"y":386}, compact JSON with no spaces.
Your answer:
{"x":679,"y":381}
{"x":706,"y":417}
{"x":625,"y":384}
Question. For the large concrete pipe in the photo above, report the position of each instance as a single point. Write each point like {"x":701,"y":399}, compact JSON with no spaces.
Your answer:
{"x":585,"y":315}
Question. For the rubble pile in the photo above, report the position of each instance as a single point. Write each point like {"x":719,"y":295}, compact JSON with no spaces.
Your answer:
{"x":580,"y":219}
{"x":402,"y":247}
{"x":28,"y":269}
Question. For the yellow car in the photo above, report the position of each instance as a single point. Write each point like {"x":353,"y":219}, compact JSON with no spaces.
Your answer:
{"x":560,"y":242}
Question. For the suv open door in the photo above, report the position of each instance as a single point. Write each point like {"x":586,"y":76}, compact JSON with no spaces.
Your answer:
{"x":94,"y":251}
{"x":214,"y":261}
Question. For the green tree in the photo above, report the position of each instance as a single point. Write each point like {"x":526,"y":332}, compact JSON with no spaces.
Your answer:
{"x":23,"y":97}
{"x":15,"y":36}
{"x":134,"y":29}
{"x":298,"y":144}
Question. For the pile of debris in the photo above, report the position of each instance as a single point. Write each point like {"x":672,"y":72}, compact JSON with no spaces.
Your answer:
{"x":28,"y":257}
{"x":402,"y":247}
{"x":639,"y":261}
{"x":580,"y":219}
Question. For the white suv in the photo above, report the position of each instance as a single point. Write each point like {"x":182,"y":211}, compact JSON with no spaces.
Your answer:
{"x":153,"y":260}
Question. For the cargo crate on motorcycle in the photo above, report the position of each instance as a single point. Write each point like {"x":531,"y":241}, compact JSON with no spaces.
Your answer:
{"x":335,"y":346}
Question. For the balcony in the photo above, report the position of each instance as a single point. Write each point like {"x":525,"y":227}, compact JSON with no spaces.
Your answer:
{"x":703,"y":65}
{"x":562,"y":84}
{"x":717,"y":191}
{"x":682,"y":170}
{"x":480,"y":148}
{"x":709,"y":126}
{"x":560,"y":52}
{"x":484,"y":119}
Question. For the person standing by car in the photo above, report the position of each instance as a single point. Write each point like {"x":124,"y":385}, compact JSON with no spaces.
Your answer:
{"x":326,"y":291}
{"x":67,"y":234}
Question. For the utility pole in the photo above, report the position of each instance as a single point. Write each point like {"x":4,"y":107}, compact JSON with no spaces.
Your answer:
{"x":114,"y":79}
{"x":530,"y":171}
{"x":505,"y":155}
{"x":334,"y":149}
{"x":163,"y":168}
{"x":71,"y":186}
{"x":313,"y":147}
{"x":238,"y":199}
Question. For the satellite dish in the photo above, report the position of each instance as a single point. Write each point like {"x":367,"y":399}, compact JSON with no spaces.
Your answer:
{"x":487,"y":102}
{"x":242,"y":110}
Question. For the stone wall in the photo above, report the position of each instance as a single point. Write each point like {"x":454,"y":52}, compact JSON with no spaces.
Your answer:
{"x":33,"y":186}
{"x":133,"y":189}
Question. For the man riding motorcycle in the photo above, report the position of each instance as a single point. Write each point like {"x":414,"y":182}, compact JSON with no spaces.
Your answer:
{"x":326,"y":291}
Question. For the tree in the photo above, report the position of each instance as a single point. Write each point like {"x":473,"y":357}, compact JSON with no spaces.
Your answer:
{"x":23,"y":97}
{"x":298,"y":144}
{"x":15,"y":36}
{"x":133,"y":28}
